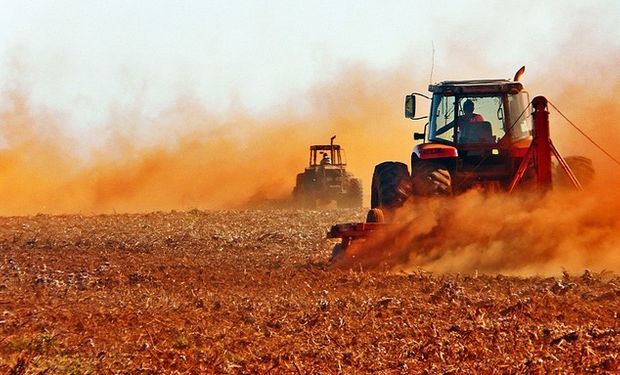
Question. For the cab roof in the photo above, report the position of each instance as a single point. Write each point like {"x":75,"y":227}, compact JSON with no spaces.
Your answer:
{"x":324,"y":147}
{"x":481,"y":86}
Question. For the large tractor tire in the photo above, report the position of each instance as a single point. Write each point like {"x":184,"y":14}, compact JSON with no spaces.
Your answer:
{"x":391,"y":185}
{"x":430,"y":179}
{"x":298,"y":190}
{"x":304,"y":193}
{"x":298,"y":196}
{"x":580,"y":166}
{"x":353,"y":196}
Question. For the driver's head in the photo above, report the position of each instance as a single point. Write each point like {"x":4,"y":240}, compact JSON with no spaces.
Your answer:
{"x":468,"y":106}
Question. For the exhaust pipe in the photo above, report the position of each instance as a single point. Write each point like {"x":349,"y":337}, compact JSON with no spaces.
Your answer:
{"x":519,"y":73}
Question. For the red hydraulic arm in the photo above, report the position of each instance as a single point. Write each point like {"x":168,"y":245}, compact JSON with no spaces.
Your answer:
{"x":540,"y":148}
{"x":542,"y":140}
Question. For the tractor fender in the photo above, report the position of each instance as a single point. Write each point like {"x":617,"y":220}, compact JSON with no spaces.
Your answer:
{"x":447,"y":159}
{"x":426,"y":151}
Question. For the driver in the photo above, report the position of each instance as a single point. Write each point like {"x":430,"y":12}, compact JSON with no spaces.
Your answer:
{"x":467,"y":116}
{"x":326,"y":159}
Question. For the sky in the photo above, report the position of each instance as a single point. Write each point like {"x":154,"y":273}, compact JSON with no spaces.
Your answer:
{"x":86,"y":58}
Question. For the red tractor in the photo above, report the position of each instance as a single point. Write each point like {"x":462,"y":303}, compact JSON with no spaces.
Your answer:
{"x":480,"y":133}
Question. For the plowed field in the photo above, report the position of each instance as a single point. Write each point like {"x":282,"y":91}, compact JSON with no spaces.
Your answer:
{"x":253,"y":292}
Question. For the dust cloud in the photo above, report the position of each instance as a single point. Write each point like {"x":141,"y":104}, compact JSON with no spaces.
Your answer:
{"x":195,"y":159}
{"x":502,"y":234}
{"x":192,"y":158}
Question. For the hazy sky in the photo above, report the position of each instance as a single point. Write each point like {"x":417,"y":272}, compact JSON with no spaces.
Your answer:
{"x":84,"y":57}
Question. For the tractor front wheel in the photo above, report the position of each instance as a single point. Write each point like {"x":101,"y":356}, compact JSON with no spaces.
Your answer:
{"x":430,"y":179}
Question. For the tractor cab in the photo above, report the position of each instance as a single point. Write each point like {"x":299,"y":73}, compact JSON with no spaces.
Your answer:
{"x":477,"y":130}
{"x":327,"y":165}
{"x":475,"y":114}
{"x":330,"y":155}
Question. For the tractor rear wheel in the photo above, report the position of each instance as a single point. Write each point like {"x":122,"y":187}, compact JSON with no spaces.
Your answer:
{"x":580,"y":166}
{"x":353,"y":196}
{"x":305,"y":192}
{"x":391,"y":185}
{"x":430,"y":179}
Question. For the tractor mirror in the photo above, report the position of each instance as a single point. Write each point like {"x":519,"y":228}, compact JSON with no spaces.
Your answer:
{"x":418,"y":136}
{"x":410,"y":106}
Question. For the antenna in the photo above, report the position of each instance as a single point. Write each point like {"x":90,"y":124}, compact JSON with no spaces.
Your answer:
{"x":430,"y":80}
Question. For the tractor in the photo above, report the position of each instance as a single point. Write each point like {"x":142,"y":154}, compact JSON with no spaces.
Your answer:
{"x":326,"y":179}
{"x":480,"y":134}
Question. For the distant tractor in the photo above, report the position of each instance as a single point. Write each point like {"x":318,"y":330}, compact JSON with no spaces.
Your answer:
{"x":326,"y":179}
